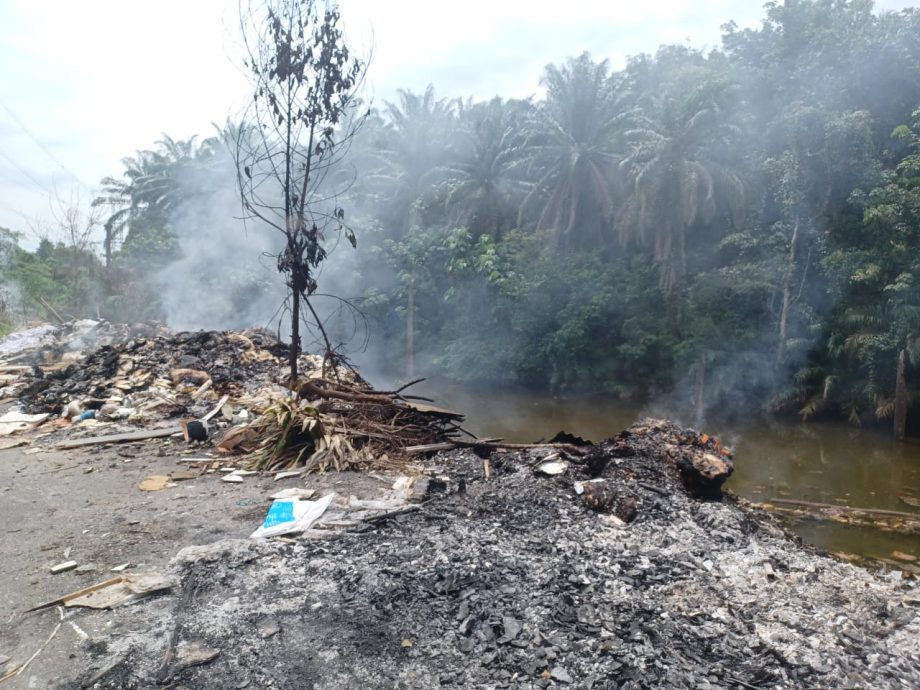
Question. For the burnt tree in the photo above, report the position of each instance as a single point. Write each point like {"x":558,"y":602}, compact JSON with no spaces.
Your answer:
{"x":305,"y":82}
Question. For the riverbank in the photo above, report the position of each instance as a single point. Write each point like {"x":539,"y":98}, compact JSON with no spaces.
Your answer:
{"x":504,"y":577}
{"x":821,"y":462}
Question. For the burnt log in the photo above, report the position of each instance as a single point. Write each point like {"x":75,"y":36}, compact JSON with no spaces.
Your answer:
{"x":605,"y":497}
{"x":703,"y":474}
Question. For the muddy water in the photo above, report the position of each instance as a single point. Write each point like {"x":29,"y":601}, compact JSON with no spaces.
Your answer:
{"x":816,"y":462}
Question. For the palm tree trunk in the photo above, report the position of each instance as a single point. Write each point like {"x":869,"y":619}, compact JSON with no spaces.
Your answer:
{"x":900,"y":399}
{"x":787,"y":295}
{"x":699,"y":403}
{"x":410,"y":328}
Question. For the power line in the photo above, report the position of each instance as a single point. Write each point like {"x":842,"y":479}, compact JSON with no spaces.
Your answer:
{"x":41,"y":145}
{"x":26,"y":173}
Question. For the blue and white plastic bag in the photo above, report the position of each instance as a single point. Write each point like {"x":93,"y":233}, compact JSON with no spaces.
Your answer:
{"x":290,"y":515}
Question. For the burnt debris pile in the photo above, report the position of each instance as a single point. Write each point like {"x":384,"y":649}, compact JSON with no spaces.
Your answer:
{"x":230,"y":387}
{"x":513,"y":578}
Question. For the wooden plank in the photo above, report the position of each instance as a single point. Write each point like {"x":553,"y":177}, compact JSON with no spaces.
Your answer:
{"x":428,"y":448}
{"x":120,"y":438}
{"x":844,"y":509}
{"x":447,"y":445}
{"x":431,"y":409}
{"x":220,"y":404}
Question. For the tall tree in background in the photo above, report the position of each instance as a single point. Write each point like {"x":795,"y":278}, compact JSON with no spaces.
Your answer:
{"x":482,"y":178}
{"x":305,"y":80}
{"x":677,"y":174}
{"x":572,"y":151}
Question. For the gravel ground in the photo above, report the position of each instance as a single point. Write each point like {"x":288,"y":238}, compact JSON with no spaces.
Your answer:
{"x":512,"y":581}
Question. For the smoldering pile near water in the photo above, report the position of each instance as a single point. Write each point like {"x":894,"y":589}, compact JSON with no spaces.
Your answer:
{"x":509,"y":579}
{"x":95,"y":375}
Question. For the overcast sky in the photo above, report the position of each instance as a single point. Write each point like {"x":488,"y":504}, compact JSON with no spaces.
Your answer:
{"x":87,"y":83}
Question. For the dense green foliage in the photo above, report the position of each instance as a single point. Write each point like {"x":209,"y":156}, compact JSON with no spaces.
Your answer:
{"x":735,"y":230}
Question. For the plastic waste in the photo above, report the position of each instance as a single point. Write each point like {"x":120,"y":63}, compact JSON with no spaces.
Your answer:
{"x":289,"y":515}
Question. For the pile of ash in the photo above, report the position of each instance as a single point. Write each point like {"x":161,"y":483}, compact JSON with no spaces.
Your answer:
{"x":512,"y":579}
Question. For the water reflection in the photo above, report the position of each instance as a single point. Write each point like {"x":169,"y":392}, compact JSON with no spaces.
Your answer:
{"x":823,"y":463}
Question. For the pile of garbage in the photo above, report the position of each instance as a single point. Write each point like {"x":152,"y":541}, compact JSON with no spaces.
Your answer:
{"x":516,"y":575}
{"x":230,"y":387}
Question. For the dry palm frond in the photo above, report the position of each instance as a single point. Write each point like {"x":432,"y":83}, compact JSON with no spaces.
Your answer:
{"x":346,"y":427}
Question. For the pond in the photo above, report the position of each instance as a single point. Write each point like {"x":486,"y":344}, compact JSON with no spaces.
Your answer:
{"x":820,"y":462}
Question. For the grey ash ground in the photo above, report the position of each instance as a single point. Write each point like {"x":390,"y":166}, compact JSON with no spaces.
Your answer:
{"x":513,"y":582}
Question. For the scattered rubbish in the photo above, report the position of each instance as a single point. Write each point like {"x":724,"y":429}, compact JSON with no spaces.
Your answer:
{"x":402,"y":484}
{"x":192,"y":654}
{"x":204,"y":388}
{"x":199,"y":378}
{"x":156,"y":482}
{"x":194,"y":431}
{"x":88,"y":414}
{"x":290,"y":515}
{"x":907,"y":499}
{"x":183,"y":475}
{"x":13,"y":443}
{"x":552,"y":468}
{"x":560,"y":674}
{"x":63,"y":567}
{"x":892,"y":520}
{"x":114,"y":592}
{"x":287,"y":474}
{"x":232,"y":479}
{"x":14,"y":422}
{"x":269,"y":627}
{"x":606,"y":497}
{"x":293,"y":493}
{"x":120,"y":438}
{"x":27,"y":339}
{"x":422,"y":488}
{"x":73,"y":409}
{"x":86,"y":568}
{"x":121,"y":568}
{"x":217,"y":408}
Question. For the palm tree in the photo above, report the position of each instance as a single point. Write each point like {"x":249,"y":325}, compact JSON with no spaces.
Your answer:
{"x":482,"y":180}
{"x":572,"y":151}
{"x":413,"y":144}
{"x":153,"y":185}
{"x":412,"y":147}
{"x":677,"y":178}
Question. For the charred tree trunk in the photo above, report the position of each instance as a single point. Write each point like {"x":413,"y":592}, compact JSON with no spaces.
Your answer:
{"x":410,"y":328}
{"x":295,"y":335}
{"x":900,"y":398}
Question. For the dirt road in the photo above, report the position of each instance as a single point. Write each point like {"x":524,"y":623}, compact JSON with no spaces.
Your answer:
{"x":85,"y":506}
